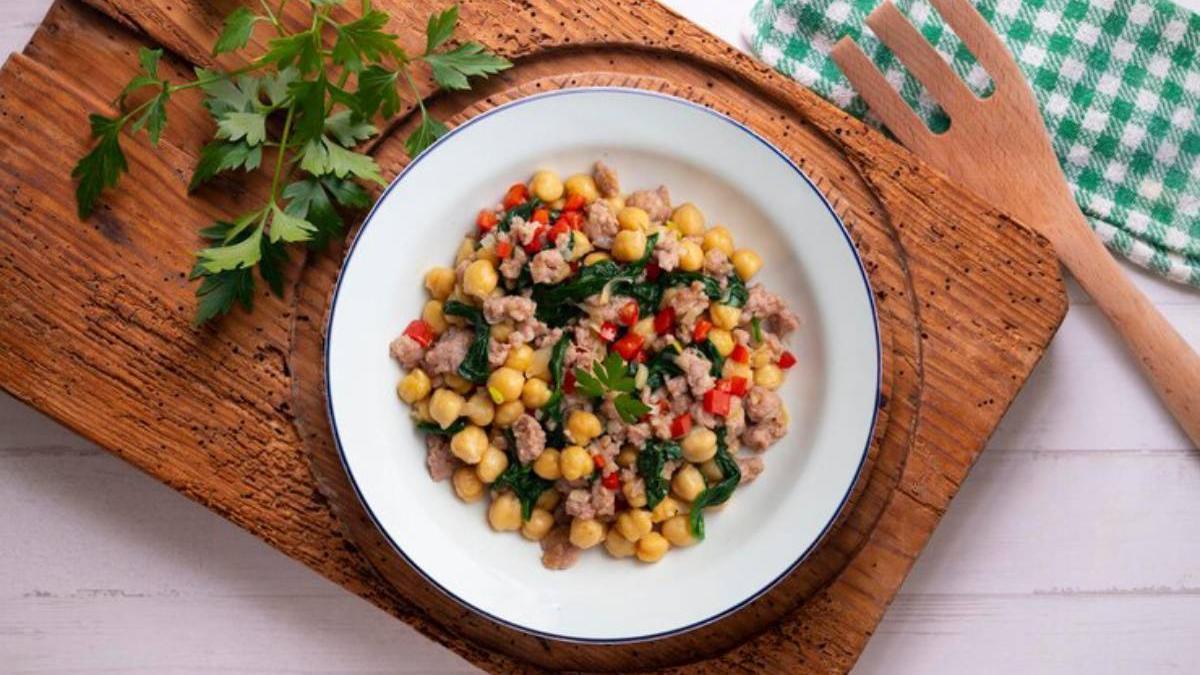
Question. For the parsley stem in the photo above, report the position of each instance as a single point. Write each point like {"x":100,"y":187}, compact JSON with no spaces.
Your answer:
{"x":416,"y":94}
{"x":283,"y":139}
{"x":272,"y":18}
{"x":218,"y":76}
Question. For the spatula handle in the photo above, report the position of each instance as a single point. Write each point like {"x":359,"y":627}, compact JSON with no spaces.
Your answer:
{"x":1172,"y":366}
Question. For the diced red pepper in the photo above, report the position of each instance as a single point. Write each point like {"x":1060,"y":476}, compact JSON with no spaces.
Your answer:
{"x":541,"y":216}
{"x":574,"y":219}
{"x":701,"y":330}
{"x":600,"y":461}
{"x":628,"y":314}
{"x":717,"y":402}
{"x":612,"y":481}
{"x":420,"y":331}
{"x":608,"y":331}
{"x":681,"y":425}
{"x":569,"y":382}
{"x":663,"y":405}
{"x":641,"y":356}
{"x":538,"y":242}
{"x":629,"y":346}
{"x":517,"y":194}
{"x":574,"y":203}
{"x":740,"y":354}
{"x":652,"y":271}
{"x":560,"y":228}
{"x":486,"y":220}
{"x":664,"y":321}
{"x":738,"y":386}
{"x":787,"y":360}
{"x":504,"y":249}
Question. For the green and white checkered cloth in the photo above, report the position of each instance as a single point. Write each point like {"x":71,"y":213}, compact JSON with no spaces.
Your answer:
{"x":1118,"y":82}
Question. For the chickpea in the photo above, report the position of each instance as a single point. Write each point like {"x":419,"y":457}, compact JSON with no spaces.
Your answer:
{"x":586,"y":532}
{"x":746,"y":263}
{"x":547,"y":465}
{"x":535,"y":394}
{"x":615,"y":204}
{"x":687,"y":482}
{"x":507,"y":413}
{"x":439,"y":281}
{"x":500,"y":331}
{"x":627,"y":457}
{"x":445,"y":407}
{"x":488,"y":253}
{"x":574,"y":463}
{"x":617,"y":545}
{"x":665,"y":509}
{"x":520,"y":358}
{"x":689,"y":219}
{"x":504,"y":513}
{"x":652,"y":547}
{"x":480,"y":279}
{"x":584,"y":186}
{"x":433,"y":315}
{"x":700,"y":445}
{"x":633,"y":218}
{"x":539,"y":364}
{"x":678,"y":531}
{"x":634,"y":524}
{"x":504,"y":384}
{"x":724,"y":316}
{"x":480,"y":409}
{"x":718,"y":238}
{"x":466,"y":249}
{"x":583,"y":426}
{"x":711,"y":472}
{"x":413,"y":387}
{"x":458,"y":383}
{"x":769,"y":376}
{"x":633,"y":496}
{"x":761,"y":357}
{"x":557,"y":204}
{"x":546,"y":186}
{"x":491,"y":465}
{"x":547,"y":500}
{"x":722,"y":340}
{"x":538,"y":526}
{"x":629,"y":245}
{"x":597,"y":257}
{"x":469,"y":444}
{"x":421,"y":410}
{"x":467,"y":485}
{"x":691,"y":258}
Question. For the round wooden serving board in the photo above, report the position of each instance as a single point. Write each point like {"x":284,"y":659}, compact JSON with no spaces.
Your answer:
{"x":94,"y":324}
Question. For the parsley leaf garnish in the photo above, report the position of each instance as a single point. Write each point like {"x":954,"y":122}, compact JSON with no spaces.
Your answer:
{"x":310,"y":98}
{"x":612,"y":375}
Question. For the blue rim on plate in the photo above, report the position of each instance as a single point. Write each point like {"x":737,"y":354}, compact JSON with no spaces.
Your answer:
{"x":824,"y":529}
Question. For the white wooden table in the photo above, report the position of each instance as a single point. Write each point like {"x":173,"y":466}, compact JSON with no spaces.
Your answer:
{"x":1072,"y":547}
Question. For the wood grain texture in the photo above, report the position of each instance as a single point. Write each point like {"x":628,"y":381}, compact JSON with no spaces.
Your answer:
{"x":209,"y":413}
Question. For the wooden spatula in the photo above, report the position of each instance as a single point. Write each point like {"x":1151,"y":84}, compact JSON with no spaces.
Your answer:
{"x":998,"y":147}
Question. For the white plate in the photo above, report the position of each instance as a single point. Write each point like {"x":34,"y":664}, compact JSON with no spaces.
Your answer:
{"x":736,"y":178}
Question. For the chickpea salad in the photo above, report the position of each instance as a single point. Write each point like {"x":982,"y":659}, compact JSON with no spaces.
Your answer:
{"x":597,"y":365}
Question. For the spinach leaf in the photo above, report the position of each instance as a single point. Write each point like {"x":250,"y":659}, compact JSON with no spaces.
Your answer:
{"x":552,"y":415}
{"x":712,"y":287}
{"x":647,"y":294}
{"x":710,"y":352}
{"x":737,"y":294}
{"x":556,"y":302}
{"x":475,"y":365}
{"x":718,"y":494}
{"x":650,"y":462}
{"x":435,"y":428}
{"x":661,"y":366}
{"x":524,"y":483}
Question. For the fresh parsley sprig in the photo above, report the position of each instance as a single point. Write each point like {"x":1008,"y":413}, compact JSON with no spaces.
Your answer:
{"x":612,"y":375}
{"x":308,"y":99}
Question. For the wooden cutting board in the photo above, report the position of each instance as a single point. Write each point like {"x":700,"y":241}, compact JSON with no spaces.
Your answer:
{"x":94,"y":317}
